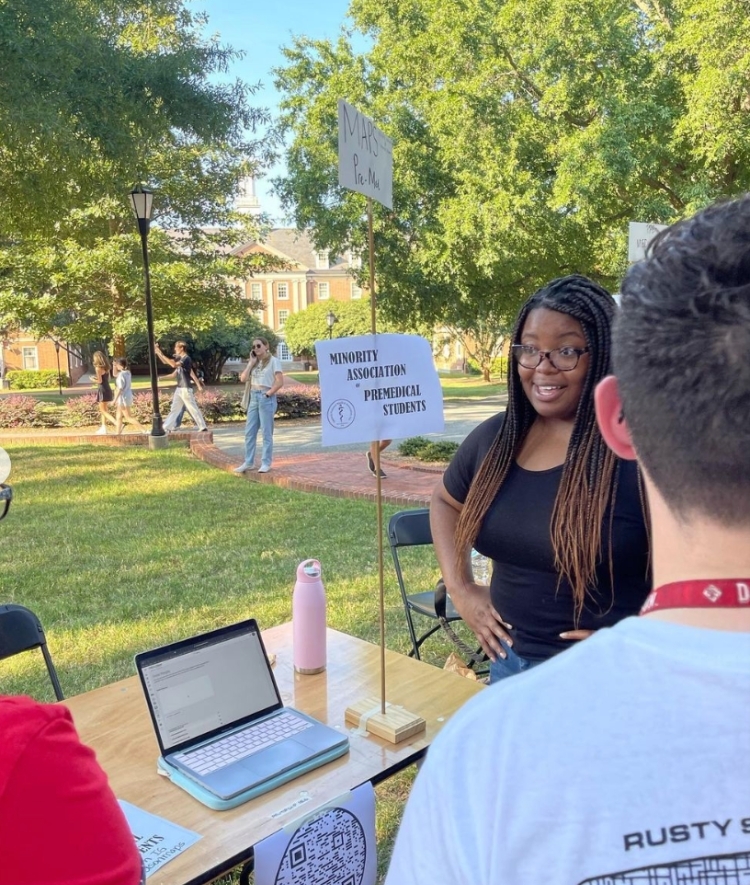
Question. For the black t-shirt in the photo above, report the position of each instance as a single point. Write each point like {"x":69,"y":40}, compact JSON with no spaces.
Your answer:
{"x":516,"y":535}
{"x":184,"y":368}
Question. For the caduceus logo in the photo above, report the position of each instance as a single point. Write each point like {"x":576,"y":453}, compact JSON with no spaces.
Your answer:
{"x":341,"y":414}
{"x":4,"y":465}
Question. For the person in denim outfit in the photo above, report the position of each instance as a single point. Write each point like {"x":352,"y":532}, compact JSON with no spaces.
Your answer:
{"x":266,"y":378}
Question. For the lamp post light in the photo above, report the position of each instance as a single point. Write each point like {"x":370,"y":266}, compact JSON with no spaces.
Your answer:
{"x":142,"y":201}
{"x":57,"y":354}
{"x":331,"y":318}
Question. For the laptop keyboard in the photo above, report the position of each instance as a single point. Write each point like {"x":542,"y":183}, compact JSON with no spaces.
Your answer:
{"x":243,"y":743}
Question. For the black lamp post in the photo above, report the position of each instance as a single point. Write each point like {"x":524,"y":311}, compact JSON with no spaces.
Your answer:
{"x":142,"y":200}
{"x":57,"y":354}
{"x":331,"y":318}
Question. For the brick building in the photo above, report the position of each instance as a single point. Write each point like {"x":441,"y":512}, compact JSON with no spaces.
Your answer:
{"x":22,"y":351}
{"x":310,"y":276}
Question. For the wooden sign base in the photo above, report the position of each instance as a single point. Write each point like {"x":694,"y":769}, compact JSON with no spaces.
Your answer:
{"x":395,"y":725}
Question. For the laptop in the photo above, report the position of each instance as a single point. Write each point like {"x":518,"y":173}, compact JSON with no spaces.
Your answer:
{"x":219,"y":718}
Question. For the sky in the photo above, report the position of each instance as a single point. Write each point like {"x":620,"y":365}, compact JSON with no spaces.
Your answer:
{"x":260,"y":29}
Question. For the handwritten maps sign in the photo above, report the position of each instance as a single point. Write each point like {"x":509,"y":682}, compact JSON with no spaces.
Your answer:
{"x":640,"y":235}
{"x":365,"y":156}
{"x":378,"y":387}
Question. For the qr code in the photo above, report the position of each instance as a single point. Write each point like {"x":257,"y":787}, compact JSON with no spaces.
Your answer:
{"x":330,"y":849}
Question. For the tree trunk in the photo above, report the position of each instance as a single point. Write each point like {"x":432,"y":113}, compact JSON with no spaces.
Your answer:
{"x":118,"y":346}
{"x":486,"y":374}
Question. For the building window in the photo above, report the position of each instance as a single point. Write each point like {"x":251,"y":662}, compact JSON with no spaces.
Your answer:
{"x":283,"y":317}
{"x":256,"y":291}
{"x":30,"y":358}
{"x":356,"y":292}
{"x":282,"y":291}
{"x":324,"y":291}
{"x":283,"y":353}
{"x":321,"y":261}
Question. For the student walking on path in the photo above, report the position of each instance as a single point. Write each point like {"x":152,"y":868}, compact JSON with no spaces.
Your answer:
{"x":124,"y":396}
{"x":104,"y":394}
{"x":264,"y":377}
{"x":184,"y":394}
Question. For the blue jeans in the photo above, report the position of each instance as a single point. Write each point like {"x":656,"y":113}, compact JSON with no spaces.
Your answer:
{"x":260,"y":412}
{"x":509,"y":666}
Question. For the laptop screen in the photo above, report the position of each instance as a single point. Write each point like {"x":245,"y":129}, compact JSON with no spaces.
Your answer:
{"x":202,"y":685}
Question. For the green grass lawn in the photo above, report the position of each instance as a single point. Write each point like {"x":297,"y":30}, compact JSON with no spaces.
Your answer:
{"x":118,"y":550}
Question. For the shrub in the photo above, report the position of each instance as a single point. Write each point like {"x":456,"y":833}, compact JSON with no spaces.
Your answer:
{"x":299,"y":403}
{"x":29,"y":379}
{"x":218,"y":407}
{"x":438,"y":451}
{"x":426,"y":450}
{"x":17,"y":411}
{"x":412,"y":446}
{"x":230,"y":378}
{"x":80,"y":411}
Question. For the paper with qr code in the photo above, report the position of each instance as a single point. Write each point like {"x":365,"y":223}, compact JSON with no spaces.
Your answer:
{"x":333,"y":845}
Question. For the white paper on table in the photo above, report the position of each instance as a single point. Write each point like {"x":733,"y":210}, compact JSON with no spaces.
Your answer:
{"x":375,"y":387}
{"x":333,"y":844}
{"x":158,"y":840}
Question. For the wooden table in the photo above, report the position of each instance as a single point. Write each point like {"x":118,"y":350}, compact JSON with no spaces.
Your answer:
{"x":114,"y":720}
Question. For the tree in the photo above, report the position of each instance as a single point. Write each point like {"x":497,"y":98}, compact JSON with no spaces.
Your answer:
{"x":211,"y":347}
{"x":526,"y":134}
{"x":303,"y":329}
{"x":148,"y":110}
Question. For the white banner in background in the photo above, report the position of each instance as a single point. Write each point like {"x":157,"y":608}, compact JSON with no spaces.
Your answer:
{"x":375,"y":387}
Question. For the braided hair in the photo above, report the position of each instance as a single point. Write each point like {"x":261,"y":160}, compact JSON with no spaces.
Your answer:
{"x":589,"y":477}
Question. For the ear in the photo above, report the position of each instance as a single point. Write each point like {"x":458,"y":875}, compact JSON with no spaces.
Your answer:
{"x":610,"y":418}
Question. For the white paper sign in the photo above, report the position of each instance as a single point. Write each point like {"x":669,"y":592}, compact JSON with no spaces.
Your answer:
{"x":334,"y":845}
{"x":365,"y":156}
{"x":158,"y":840}
{"x":375,"y":387}
{"x":640,"y":235}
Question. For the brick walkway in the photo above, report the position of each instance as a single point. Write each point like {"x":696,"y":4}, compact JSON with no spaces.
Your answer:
{"x":339,"y":474}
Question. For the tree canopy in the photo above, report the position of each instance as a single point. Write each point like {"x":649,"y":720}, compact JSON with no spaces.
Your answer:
{"x":303,"y":329}
{"x":527,"y":133}
{"x":96,"y":97}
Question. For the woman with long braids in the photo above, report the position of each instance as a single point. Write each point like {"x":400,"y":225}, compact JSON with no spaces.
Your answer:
{"x":537,"y":491}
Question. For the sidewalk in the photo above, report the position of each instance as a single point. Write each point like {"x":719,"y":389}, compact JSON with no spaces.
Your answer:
{"x":339,"y":474}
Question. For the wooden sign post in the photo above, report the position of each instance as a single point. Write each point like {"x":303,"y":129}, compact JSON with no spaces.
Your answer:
{"x":366,"y":166}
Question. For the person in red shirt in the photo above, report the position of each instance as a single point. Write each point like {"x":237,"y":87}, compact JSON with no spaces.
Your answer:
{"x":60,"y":823}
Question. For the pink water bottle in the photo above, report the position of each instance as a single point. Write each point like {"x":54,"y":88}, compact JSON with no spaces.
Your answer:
{"x":309,"y":619}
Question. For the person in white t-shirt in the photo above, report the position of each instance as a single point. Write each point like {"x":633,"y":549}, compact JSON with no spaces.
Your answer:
{"x":627,"y":759}
{"x":264,"y":374}
{"x":123,"y":400}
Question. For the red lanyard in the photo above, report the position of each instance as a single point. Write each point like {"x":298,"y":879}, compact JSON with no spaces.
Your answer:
{"x":732,"y":593}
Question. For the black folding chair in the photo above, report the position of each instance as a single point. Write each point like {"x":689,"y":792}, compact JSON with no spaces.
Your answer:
{"x":411,"y":528}
{"x":21,"y":630}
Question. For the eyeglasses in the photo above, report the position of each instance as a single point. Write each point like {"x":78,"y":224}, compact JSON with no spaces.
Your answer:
{"x":564,"y":359}
{"x":257,"y":346}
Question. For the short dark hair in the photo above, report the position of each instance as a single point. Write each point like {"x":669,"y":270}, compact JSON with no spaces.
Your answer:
{"x":681,"y":353}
